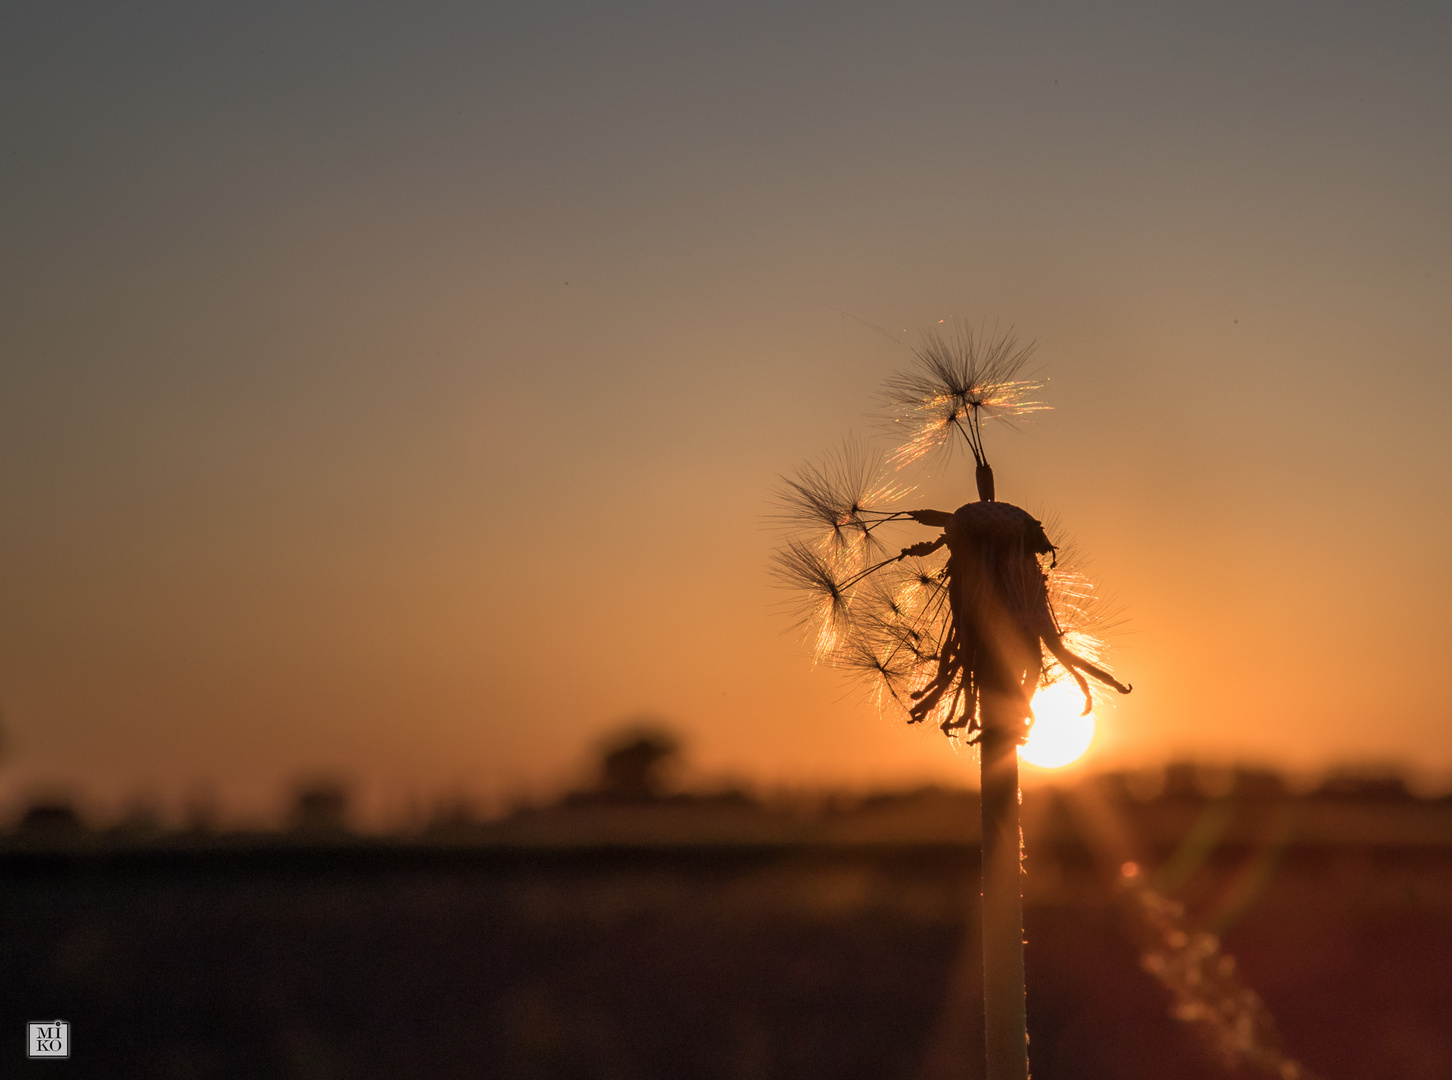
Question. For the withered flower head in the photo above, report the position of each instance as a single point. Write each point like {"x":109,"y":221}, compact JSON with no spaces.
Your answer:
{"x":984,"y":607}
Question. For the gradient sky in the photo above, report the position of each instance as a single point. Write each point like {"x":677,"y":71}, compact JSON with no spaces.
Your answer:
{"x":395,"y":391}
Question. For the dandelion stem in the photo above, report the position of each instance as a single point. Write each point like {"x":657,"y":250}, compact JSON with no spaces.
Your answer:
{"x":1004,"y":1012}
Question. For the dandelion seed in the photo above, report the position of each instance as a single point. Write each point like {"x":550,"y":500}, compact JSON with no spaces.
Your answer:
{"x":955,"y":384}
{"x":890,"y":667}
{"x":822,"y":595}
{"x":841,"y":500}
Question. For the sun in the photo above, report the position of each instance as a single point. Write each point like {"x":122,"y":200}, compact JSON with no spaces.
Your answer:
{"x":1060,"y":735}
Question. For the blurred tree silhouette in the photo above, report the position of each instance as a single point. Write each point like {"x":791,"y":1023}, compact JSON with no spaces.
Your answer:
{"x":321,"y":806}
{"x":51,"y":817}
{"x":635,"y":764}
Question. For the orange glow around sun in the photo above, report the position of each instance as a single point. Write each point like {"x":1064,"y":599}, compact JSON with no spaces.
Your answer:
{"x":1060,"y":735}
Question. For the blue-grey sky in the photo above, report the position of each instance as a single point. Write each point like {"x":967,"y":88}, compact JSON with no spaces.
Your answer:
{"x":395,"y":390}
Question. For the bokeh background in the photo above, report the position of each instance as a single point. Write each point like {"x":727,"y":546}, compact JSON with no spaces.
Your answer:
{"x":394,"y":391}
{"x":390,"y":401}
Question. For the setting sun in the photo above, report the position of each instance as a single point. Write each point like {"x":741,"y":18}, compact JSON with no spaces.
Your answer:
{"x":1060,"y":735}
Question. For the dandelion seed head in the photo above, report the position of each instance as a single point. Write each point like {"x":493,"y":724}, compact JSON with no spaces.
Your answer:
{"x":892,"y":613}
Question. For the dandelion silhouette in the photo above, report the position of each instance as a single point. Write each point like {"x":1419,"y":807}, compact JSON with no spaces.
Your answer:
{"x":957,"y":637}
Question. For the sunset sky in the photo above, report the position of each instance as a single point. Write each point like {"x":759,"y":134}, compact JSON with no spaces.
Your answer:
{"x":396,"y":391}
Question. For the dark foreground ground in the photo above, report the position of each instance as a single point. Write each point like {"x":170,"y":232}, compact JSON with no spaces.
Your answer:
{"x":847,"y":951}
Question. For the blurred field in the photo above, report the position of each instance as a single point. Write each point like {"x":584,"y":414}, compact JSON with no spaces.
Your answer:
{"x":720,"y":938}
